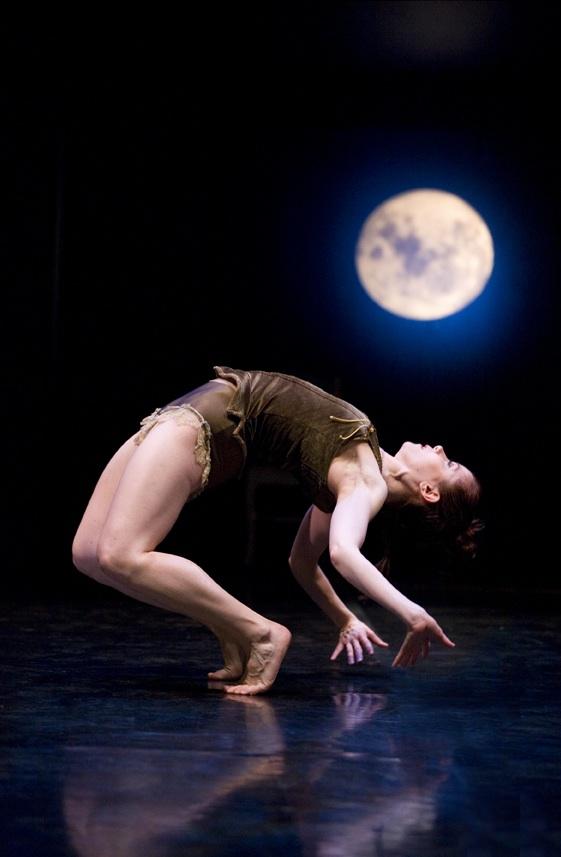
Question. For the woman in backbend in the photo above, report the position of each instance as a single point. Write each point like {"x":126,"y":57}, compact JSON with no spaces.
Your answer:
{"x":203,"y":439}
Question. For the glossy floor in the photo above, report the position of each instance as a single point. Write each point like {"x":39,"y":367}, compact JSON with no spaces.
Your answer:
{"x":115,"y":745}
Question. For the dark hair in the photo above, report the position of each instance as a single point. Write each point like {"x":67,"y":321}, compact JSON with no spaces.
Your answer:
{"x":448,"y":527}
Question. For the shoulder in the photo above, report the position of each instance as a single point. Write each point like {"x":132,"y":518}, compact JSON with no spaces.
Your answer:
{"x":353,"y":468}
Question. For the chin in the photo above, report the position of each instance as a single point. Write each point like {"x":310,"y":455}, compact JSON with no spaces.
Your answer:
{"x":408,"y":445}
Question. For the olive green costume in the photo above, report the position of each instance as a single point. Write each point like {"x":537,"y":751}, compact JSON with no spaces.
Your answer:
{"x":270,"y":418}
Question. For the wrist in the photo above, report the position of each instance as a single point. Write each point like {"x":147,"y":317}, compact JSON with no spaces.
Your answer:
{"x":414,"y":615}
{"x":344,"y":620}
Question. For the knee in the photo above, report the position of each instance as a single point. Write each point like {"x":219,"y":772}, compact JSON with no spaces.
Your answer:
{"x":85,"y":559}
{"x":117,"y":562}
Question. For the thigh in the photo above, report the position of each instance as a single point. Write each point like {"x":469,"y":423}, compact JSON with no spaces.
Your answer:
{"x":93,"y":520}
{"x":161,"y":475}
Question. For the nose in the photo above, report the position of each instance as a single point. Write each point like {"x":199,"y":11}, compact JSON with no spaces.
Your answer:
{"x":439,"y":449}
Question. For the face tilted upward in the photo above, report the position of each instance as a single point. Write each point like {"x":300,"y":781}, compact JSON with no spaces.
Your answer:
{"x":431,"y":464}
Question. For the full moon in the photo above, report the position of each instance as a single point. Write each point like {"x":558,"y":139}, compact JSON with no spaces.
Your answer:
{"x":424,"y":254}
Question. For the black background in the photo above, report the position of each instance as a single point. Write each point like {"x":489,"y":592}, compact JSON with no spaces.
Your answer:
{"x":184,"y":193}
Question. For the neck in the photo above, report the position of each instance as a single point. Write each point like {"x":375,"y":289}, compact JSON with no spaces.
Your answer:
{"x":394,"y":472}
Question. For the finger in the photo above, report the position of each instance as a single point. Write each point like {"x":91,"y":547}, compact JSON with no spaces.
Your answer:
{"x":366,"y":643}
{"x":405,"y":659}
{"x":444,"y":639}
{"x":357,"y":650}
{"x":378,"y":640}
{"x":426,"y":648}
{"x":410,"y":654}
{"x":399,"y":658}
{"x":413,"y":658}
{"x":337,"y":651}
{"x":350,"y":653}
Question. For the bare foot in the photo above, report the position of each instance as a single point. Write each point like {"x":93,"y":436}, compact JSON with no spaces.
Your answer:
{"x":265,"y":658}
{"x":234,"y":662}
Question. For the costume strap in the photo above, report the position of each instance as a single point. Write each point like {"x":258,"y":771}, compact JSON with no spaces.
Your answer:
{"x":362,"y":423}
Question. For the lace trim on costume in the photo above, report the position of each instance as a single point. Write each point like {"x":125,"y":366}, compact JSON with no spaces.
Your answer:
{"x":363,"y":423}
{"x":183,"y":415}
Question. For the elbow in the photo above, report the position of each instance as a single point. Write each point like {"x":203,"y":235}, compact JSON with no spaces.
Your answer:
{"x":298,"y":566}
{"x":304,"y":569}
{"x":294,"y":565}
{"x":341,"y":555}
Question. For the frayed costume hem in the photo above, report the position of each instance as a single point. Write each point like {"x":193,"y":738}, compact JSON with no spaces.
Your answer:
{"x":182,"y":415}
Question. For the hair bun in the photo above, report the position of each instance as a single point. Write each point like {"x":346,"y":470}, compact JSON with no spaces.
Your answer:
{"x":467,"y":540}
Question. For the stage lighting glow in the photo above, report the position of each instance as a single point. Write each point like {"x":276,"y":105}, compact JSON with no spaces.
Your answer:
{"x":424,"y":254}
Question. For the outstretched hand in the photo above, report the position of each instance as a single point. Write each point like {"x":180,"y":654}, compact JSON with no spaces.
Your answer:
{"x":356,"y":637}
{"x":416,"y":644}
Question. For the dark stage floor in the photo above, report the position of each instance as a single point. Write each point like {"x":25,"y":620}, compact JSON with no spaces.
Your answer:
{"x":114,"y":745}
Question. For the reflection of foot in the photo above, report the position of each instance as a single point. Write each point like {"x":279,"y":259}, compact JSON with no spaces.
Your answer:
{"x":234,"y":663}
{"x":254,"y":702}
{"x":262,"y":731}
{"x":265,"y":658}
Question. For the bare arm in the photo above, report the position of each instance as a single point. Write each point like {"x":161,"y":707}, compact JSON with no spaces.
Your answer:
{"x":310,"y":543}
{"x":358,"y":501}
{"x":355,"y":508}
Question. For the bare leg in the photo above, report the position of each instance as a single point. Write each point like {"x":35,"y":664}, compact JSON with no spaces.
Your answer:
{"x":86,"y":542}
{"x":85,"y":553}
{"x":157,"y":479}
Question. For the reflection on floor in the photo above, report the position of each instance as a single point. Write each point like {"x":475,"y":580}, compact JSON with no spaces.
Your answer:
{"x":115,"y":745}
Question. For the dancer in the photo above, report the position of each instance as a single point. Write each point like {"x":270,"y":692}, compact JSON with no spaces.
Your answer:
{"x":203,"y":439}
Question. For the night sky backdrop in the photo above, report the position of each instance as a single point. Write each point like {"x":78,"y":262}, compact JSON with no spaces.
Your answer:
{"x":185,"y":194}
